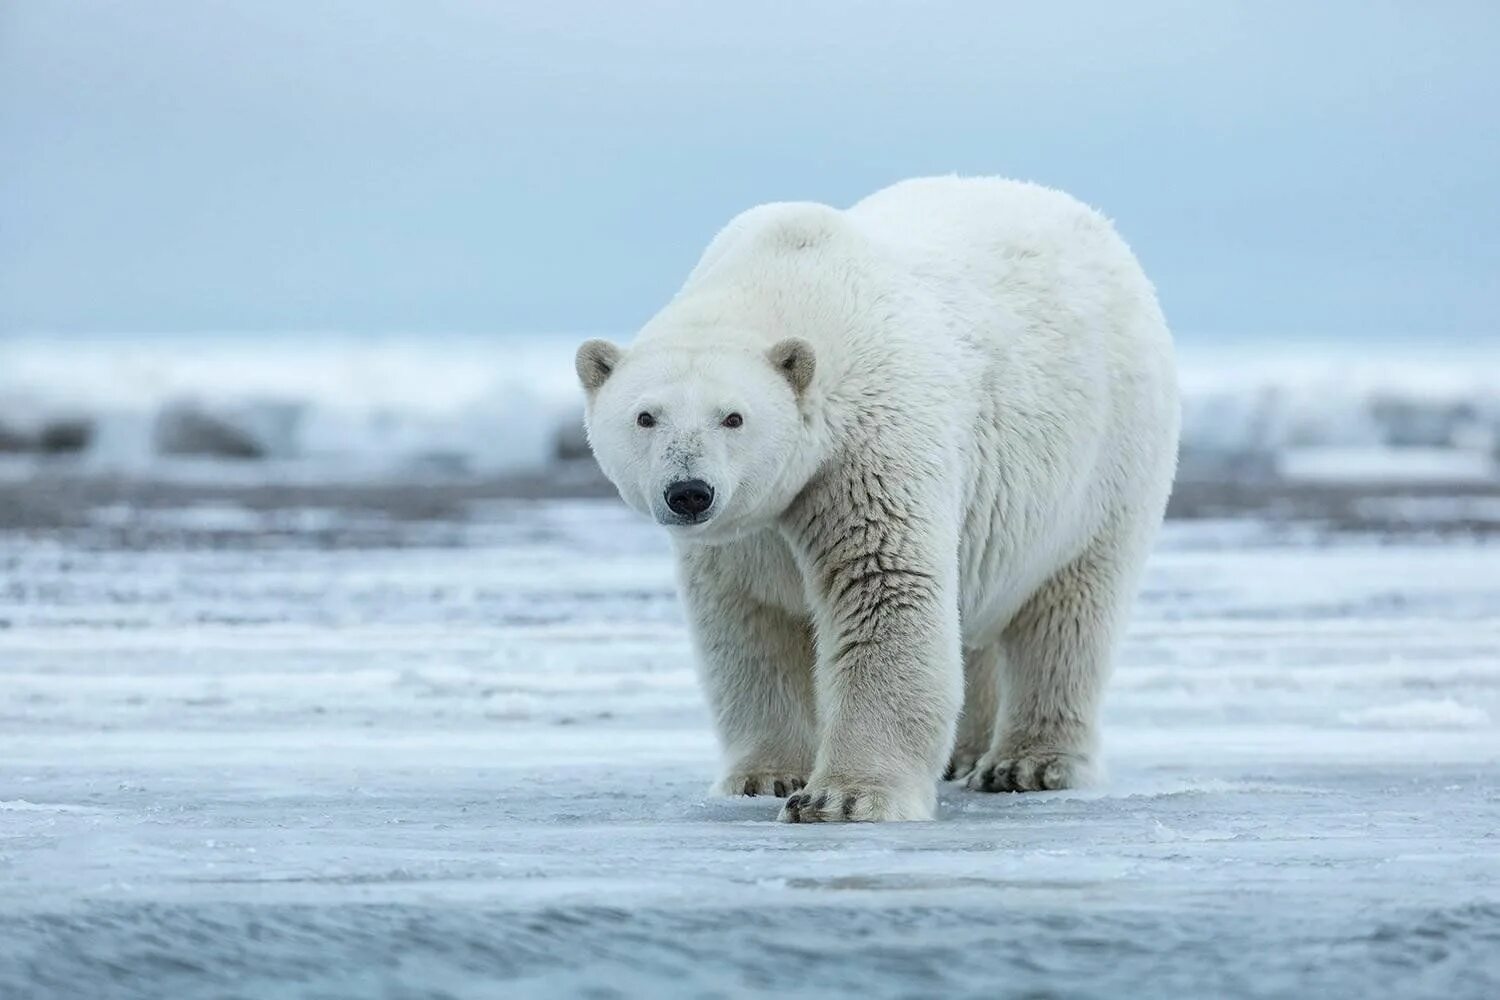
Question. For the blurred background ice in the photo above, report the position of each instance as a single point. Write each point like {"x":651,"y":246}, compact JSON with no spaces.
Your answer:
{"x":347,"y":408}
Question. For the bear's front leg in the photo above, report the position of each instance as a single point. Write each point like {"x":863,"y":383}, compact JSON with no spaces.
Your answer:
{"x":755,"y":661}
{"x":880,"y":561}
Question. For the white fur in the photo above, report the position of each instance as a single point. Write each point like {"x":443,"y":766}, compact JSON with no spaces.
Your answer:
{"x":960,"y":473}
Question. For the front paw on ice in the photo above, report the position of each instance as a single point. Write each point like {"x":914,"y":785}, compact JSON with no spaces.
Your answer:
{"x":834,"y":803}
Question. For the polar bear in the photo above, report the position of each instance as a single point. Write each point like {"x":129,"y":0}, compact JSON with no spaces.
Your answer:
{"x":911,"y":456}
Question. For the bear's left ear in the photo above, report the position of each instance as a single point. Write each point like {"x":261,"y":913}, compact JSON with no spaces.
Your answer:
{"x":793,"y":358}
{"x":595,"y":360}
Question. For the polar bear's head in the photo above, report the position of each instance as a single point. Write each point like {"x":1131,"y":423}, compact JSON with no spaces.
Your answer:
{"x":704,"y":440}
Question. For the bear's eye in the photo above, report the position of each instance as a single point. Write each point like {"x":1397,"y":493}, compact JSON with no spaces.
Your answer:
{"x":644,"y":419}
{"x":733,"y":420}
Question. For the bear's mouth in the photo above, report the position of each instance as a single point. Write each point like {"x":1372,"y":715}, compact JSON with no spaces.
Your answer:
{"x":668,"y":519}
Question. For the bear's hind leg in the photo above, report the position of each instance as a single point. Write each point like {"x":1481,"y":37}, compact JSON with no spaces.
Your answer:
{"x":976,"y":726}
{"x":756,"y":665}
{"x":1057,"y":659}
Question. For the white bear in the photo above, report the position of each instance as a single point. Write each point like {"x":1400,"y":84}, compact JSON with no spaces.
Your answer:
{"x":911,"y":456}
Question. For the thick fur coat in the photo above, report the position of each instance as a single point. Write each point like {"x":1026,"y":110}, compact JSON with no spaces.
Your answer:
{"x":912,"y":456}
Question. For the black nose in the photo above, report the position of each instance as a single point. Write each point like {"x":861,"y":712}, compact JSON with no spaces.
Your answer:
{"x":689,"y":497}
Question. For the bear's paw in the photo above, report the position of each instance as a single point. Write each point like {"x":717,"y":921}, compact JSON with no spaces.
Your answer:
{"x":779,"y":782}
{"x":961,"y":762}
{"x":834,"y":801}
{"x":1041,"y":770}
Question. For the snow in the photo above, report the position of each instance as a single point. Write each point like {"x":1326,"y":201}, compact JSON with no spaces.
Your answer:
{"x":472,"y":762}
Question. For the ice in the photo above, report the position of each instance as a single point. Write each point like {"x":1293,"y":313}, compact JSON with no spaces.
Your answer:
{"x":337,"y":407}
{"x":468,"y":758}
{"x":1386,"y":464}
{"x":1422,"y":713}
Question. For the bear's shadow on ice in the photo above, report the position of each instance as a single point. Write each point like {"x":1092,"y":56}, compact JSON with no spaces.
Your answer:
{"x":954,"y":802}
{"x":958,"y":804}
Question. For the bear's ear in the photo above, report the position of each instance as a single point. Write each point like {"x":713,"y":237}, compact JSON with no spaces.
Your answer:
{"x":595,"y":360}
{"x":793,"y":358}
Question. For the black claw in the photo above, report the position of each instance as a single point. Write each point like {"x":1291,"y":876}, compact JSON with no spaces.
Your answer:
{"x":1013,"y":777}
{"x":848,"y":806}
{"x":948,"y":772}
{"x":820,"y":803}
{"x":780,"y":788}
{"x":749,"y":788}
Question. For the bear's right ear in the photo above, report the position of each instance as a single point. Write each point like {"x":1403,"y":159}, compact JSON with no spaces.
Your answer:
{"x":595,"y":361}
{"x":793,"y":358}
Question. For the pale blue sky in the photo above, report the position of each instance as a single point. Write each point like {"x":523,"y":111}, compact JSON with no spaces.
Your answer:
{"x":1284,"y":169}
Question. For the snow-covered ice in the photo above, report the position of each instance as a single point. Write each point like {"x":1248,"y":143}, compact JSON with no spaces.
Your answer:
{"x":243,"y":756}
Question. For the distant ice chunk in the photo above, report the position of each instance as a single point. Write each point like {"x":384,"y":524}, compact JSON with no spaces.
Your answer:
{"x":29,"y":425}
{"x":244,"y":431}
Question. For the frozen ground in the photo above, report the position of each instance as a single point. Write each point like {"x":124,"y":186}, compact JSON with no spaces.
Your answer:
{"x":318,"y":752}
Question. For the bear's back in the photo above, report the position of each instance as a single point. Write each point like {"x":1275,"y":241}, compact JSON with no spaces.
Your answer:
{"x":991,"y":216}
